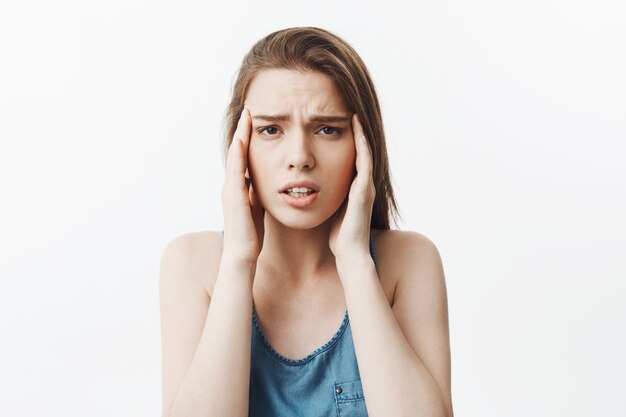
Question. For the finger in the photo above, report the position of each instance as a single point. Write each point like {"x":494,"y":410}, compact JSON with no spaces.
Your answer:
{"x":254,"y":198}
{"x":257,"y":212}
{"x":243,"y":133}
{"x":239,"y":128}
{"x":235,"y":164}
{"x":233,"y":147}
{"x":244,"y":127}
{"x":363,"y":153}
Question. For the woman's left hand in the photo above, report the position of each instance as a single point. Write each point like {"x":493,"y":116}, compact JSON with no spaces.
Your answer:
{"x":350,"y":231}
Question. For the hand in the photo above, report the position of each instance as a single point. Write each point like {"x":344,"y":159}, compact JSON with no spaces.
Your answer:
{"x":350,"y":231}
{"x":243,"y":213}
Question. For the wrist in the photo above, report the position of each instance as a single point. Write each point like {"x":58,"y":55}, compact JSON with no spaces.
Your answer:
{"x":356,"y":260}
{"x":237,"y":256}
{"x":237,"y":264}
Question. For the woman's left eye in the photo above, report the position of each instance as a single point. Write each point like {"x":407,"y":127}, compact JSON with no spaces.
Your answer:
{"x":270,"y":130}
{"x":329,"y":130}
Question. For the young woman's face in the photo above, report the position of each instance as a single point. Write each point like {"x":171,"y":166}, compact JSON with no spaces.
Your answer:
{"x":301,"y":130}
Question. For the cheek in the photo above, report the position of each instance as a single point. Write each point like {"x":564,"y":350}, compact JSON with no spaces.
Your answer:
{"x":344,"y":170}
{"x":347,"y":162}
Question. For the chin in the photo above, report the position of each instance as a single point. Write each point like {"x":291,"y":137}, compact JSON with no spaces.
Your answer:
{"x":300,"y":220}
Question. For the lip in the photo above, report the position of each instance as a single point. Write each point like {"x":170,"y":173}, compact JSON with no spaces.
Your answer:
{"x":300,"y":183}
{"x":300,"y":202}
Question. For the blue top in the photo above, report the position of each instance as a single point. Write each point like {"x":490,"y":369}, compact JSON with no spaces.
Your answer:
{"x":326,"y":383}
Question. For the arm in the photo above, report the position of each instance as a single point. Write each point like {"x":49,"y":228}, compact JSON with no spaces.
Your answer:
{"x":206,"y":351}
{"x":403,"y":352}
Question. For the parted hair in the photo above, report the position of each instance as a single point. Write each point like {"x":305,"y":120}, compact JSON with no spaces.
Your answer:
{"x":315,"y":49}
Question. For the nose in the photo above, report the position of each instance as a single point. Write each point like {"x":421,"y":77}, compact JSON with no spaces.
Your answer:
{"x":299,"y":154}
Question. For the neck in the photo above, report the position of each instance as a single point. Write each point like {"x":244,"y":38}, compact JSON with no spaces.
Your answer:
{"x":295,"y":256}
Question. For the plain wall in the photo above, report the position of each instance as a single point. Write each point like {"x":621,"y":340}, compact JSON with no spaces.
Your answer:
{"x":507,"y":139}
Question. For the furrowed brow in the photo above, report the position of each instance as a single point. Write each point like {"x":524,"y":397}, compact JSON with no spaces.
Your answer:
{"x":272,"y":117}
{"x":313,"y":118}
{"x":329,"y":119}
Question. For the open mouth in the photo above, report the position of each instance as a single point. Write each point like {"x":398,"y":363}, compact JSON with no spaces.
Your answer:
{"x":300,"y":198}
{"x":299,"y":191}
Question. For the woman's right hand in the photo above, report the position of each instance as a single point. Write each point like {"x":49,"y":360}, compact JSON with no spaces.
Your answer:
{"x":243,"y":213}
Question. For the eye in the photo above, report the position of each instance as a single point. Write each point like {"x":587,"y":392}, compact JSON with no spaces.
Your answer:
{"x":270,"y":130}
{"x":328,"y":130}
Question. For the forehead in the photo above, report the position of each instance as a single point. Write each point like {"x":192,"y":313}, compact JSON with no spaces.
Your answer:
{"x":285,"y":91}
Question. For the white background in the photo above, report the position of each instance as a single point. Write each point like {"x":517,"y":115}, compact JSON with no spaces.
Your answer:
{"x":507,"y":139}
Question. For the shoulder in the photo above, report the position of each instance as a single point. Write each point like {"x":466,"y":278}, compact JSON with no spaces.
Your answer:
{"x":187,"y":265}
{"x":405,"y":250}
{"x":407,"y":256}
{"x":420,"y":299}
{"x":194,"y":258}
{"x":399,"y":238}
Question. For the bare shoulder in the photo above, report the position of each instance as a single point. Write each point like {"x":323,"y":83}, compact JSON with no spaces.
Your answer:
{"x":420,"y":299}
{"x":406,"y":255}
{"x":400,"y":244}
{"x":194,"y":257}
{"x":188,"y":264}
{"x":402,"y":251}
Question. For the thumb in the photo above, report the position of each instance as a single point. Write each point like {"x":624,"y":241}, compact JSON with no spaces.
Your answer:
{"x":255,"y":203}
{"x":258,"y":214}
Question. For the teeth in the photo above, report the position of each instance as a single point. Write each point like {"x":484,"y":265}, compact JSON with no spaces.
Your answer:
{"x":298,"y":194}
{"x":299,"y":190}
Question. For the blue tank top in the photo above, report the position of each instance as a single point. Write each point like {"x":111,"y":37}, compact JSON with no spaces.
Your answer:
{"x":326,"y":383}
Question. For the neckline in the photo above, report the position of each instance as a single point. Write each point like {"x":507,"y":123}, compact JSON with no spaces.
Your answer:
{"x":310,"y":356}
{"x":299,"y":362}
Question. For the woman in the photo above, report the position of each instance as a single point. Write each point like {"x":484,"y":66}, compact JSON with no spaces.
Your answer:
{"x":255,"y":320}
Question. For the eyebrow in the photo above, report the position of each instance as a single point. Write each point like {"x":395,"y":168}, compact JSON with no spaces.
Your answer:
{"x":313,"y":118}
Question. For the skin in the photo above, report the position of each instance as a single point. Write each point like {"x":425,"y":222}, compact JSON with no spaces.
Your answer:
{"x":300,"y":244}
{"x":282,"y":259}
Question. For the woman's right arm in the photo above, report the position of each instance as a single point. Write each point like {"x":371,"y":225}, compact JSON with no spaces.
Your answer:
{"x":206,"y":341}
{"x":205,"y":351}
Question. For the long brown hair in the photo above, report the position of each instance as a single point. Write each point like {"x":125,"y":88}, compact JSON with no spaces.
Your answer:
{"x":311,"y":48}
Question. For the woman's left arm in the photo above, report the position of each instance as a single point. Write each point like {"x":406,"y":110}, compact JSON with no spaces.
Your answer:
{"x":403,"y":352}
